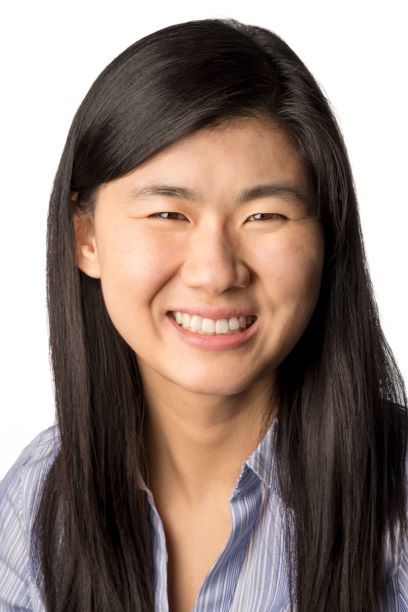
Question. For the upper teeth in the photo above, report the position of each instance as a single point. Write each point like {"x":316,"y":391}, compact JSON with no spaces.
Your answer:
{"x":211,"y":326}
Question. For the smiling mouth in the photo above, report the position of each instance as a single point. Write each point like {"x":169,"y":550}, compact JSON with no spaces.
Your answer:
{"x":209,"y":327}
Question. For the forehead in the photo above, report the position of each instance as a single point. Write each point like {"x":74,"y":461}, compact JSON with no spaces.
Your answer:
{"x":248,"y":141}
{"x":234,"y":155}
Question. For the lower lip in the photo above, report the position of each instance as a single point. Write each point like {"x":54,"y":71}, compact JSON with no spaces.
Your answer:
{"x":214,"y":342}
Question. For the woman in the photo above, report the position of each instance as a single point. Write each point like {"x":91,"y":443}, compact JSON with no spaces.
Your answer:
{"x":231,"y":423}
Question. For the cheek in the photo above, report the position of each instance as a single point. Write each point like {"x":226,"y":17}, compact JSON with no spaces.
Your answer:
{"x":294,"y":268}
{"x":133,"y":270}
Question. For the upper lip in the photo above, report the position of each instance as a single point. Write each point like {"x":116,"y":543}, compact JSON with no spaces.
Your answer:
{"x":215,"y":313}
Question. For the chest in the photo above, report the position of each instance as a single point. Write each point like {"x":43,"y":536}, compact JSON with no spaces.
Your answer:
{"x":193,"y":547}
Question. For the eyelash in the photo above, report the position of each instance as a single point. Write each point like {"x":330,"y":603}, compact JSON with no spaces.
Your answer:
{"x":156,"y":215}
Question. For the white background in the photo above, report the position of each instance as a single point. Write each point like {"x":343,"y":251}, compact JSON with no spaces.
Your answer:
{"x":50,"y":54}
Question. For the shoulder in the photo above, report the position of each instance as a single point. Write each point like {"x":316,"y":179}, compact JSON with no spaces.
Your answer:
{"x":19,"y":495}
{"x":22,"y":481}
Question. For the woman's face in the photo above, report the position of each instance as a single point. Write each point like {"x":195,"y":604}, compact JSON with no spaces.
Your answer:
{"x":263,"y":256}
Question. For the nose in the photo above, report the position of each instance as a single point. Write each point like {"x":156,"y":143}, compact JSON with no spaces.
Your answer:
{"x":213,"y":263}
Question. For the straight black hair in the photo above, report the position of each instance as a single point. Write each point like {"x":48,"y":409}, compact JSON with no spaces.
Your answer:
{"x":342,"y":428}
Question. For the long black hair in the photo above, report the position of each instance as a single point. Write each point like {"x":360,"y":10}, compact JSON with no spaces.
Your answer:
{"x":342,"y":430}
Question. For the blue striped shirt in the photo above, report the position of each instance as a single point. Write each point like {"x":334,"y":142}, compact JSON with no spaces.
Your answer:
{"x":250,"y":574}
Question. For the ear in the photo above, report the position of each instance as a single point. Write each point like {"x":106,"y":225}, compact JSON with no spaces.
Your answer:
{"x":87,"y":258}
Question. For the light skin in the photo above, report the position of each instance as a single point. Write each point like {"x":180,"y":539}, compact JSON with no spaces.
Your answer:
{"x":206,"y":407}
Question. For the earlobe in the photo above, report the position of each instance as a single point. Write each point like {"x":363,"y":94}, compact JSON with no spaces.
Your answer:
{"x":87,"y":258}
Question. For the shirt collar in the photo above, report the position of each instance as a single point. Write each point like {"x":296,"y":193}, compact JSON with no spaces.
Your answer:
{"x":263,"y":460}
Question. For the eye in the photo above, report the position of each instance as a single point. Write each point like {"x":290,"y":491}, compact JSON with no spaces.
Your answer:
{"x":157,"y":215}
{"x":274,"y":215}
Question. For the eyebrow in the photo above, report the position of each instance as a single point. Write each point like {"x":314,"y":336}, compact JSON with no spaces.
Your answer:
{"x":259,"y":191}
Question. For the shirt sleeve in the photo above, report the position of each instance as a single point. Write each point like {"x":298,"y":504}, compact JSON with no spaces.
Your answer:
{"x":14,"y":551}
{"x":403,"y":581}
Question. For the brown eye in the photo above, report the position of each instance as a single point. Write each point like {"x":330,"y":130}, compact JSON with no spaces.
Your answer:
{"x":272,"y":216}
{"x":157,"y":215}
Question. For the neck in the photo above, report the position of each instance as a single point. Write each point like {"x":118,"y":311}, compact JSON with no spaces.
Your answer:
{"x":195,"y":449}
